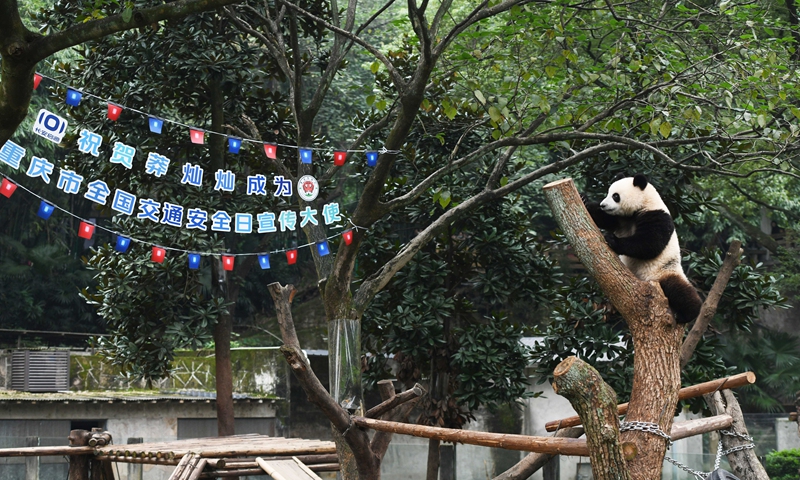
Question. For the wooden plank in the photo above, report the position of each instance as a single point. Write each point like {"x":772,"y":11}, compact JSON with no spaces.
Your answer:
{"x":270,"y":469}
{"x":747,"y":378}
{"x":308,"y":471}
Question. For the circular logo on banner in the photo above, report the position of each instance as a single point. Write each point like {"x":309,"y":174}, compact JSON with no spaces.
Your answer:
{"x":307,"y":188}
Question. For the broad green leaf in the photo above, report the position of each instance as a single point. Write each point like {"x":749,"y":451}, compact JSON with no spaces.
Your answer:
{"x":495,"y":114}
{"x":127,"y":14}
{"x":480,"y":97}
{"x":374,"y":67}
{"x":665,"y":129}
{"x":444,"y":198}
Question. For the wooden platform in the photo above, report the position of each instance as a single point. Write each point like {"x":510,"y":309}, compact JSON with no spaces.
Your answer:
{"x":253,"y":445}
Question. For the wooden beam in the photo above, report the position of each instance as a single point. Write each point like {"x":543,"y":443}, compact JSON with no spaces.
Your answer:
{"x":747,"y":378}
{"x":57,"y":451}
{"x":394,"y":401}
{"x":553,"y":445}
{"x":549,"y":445}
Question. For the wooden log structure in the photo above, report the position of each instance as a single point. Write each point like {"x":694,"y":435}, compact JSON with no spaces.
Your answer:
{"x":549,"y":445}
{"x":734,"y":381}
{"x":245,"y":472}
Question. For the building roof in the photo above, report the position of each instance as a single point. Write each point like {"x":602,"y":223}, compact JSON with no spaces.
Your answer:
{"x":125,"y":396}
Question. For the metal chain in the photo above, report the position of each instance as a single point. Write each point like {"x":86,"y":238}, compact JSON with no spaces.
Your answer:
{"x":698,"y":474}
{"x":646,"y":427}
{"x":653,"y":428}
{"x":739,"y":448}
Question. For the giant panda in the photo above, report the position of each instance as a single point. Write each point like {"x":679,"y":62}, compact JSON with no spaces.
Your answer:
{"x":640,"y":230}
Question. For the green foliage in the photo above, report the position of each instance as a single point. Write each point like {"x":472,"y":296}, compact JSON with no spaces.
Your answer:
{"x":749,"y":289}
{"x":775,"y":359}
{"x":783,"y":464}
{"x":491,"y":364}
{"x":150,"y":309}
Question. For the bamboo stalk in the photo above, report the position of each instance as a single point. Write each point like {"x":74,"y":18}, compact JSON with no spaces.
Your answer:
{"x":176,"y":474}
{"x":232,"y":473}
{"x":747,"y":378}
{"x":197,"y":470}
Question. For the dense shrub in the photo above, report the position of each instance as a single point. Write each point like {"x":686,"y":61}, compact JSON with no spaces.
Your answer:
{"x":784,"y":465}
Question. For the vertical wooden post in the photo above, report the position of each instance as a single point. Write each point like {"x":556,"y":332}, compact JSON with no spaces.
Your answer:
{"x":135,"y":469}
{"x":78,"y":464}
{"x":32,"y":463}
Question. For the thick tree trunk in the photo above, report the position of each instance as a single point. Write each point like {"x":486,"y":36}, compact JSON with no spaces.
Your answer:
{"x":596,"y":404}
{"x":432,"y":470}
{"x":224,"y":376}
{"x":656,"y":336}
{"x":357,"y":455}
{"x":745,"y":463}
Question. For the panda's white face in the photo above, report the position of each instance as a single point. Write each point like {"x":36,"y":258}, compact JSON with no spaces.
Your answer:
{"x":624,"y":198}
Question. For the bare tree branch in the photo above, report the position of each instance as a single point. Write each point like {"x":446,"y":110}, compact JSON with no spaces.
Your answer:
{"x":732,"y":259}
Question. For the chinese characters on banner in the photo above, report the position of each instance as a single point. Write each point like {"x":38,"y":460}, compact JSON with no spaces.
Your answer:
{"x":168,"y":213}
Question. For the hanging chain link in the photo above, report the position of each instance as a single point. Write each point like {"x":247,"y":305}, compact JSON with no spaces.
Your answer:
{"x":653,"y":428}
{"x":698,"y":474}
{"x":739,"y":448}
{"x":646,"y":427}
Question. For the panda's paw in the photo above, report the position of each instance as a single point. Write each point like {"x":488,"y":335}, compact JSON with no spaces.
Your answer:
{"x":612,"y":241}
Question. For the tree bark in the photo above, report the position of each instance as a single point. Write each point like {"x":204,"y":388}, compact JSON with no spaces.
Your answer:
{"x":358,"y":454}
{"x":656,"y":336}
{"x":596,"y":404}
{"x":732,"y":259}
{"x":534,"y":461}
{"x":78,"y":464}
{"x":745,"y":462}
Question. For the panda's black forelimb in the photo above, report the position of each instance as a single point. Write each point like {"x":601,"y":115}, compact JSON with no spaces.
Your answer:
{"x":651,"y":233}
{"x":683,"y":298}
{"x":601,"y":218}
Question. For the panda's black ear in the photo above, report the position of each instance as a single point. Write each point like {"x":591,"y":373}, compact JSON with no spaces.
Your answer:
{"x":640,"y":181}
{"x":619,"y":176}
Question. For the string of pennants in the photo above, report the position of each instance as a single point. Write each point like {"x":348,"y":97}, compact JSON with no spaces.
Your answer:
{"x":87,"y":228}
{"x":197,"y":135}
{"x":53,"y":127}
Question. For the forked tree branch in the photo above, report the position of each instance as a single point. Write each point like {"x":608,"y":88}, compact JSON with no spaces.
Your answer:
{"x":732,"y":259}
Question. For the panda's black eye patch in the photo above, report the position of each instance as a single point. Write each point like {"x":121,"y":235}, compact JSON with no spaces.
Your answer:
{"x":615,"y":197}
